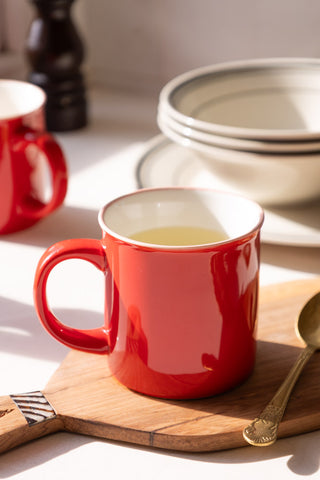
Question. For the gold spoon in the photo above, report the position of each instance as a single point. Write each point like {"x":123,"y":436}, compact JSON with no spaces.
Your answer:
{"x":263,"y":430}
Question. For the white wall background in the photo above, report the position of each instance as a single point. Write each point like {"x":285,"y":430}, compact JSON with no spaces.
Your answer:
{"x":140,"y":44}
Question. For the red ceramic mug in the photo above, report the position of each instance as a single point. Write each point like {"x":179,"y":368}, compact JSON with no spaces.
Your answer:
{"x":25,"y":150}
{"x":180,"y":317}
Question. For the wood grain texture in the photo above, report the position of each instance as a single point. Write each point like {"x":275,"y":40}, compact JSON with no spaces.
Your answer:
{"x":88,"y":400}
{"x":14,"y":428}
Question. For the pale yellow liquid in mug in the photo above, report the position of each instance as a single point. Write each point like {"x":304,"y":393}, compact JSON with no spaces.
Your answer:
{"x":179,"y":236}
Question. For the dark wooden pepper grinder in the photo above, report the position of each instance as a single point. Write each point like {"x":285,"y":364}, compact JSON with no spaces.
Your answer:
{"x":55,"y":52}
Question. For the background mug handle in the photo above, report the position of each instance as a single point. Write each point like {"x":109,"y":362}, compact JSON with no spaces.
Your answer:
{"x":31,"y":208}
{"x":94,"y":340}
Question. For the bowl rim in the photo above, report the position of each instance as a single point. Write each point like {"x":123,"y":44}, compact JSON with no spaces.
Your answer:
{"x":233,"y":67}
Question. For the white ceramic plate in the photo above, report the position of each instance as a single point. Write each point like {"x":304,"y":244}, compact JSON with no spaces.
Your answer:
{"x":270,"y":99}
{"x":164,"y":163}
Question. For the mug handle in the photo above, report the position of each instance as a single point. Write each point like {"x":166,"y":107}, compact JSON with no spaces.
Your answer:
{"x":92,"y":340}
{"x":45,"y":142}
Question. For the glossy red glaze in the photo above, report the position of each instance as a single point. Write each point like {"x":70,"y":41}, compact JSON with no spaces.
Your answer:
{"x":179,"y":323}
{"x":182,"y":323}
{"x":22,"y":139}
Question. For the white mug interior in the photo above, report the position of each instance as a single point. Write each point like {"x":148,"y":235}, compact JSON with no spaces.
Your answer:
{"x":19,"y":98}
{"x":232,"y":215}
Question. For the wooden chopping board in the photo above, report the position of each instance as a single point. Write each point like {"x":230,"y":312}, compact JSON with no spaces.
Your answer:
{"x":83,"y":397}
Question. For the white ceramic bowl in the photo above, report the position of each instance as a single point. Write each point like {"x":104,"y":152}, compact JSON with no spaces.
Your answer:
{"x":267,"y":99}
{"x":268,"y":178}
{"x":236,"y":143}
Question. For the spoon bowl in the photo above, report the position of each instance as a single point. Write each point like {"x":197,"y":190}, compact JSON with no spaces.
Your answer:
{"x":308,"y":325}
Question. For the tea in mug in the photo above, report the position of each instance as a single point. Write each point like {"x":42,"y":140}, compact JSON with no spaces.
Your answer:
{"x":179,"y":236}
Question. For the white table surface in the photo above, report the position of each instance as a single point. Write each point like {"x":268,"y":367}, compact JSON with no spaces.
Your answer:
{"x":102,"y":160}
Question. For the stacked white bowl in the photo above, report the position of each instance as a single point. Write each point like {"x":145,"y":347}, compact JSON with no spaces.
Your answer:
{"x":255,"y":125}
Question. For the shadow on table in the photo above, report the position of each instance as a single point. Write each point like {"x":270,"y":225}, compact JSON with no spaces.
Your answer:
{"x":303,"y":453}
{"x":304,"y":259}
{"x":21,"y":332}
{"x":306,"y":214}
{"x":67,"y":222}
{"x":38,"y":452}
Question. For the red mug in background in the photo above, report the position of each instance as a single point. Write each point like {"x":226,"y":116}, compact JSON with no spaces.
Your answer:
{"x":180,"y":314}
{"x":25,"y":150}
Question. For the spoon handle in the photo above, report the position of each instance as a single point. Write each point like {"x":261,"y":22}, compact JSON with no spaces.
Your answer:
{"x":263,"y":430}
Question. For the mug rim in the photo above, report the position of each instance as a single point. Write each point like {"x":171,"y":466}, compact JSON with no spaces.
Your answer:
{"x":205,"y":246}
{"x":26,"y":111}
